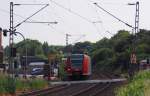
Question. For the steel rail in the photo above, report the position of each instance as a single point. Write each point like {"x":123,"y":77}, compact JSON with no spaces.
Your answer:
{"x":45,"y":91}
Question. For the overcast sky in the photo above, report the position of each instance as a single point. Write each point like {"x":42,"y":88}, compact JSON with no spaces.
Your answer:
{"x":74,"y":17}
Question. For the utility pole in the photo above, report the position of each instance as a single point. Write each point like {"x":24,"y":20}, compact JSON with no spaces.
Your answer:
{"x":137,"y":19}
{"x":67,"y":39}
{"x":11,"y":67}
{"x":133,"y":58}
{"x":13,"y":29}
{"x":68,"y":49}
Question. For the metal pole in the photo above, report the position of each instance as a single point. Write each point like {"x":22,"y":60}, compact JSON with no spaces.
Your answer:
{"x":26,"y":52}
{"x":67,"y":35}
{"x":136,"y":30}
{"x":67,"y":47}
{"x":11,"y":67}
{"x":136,"y":20}
{"x":133,"y":57}
{"x":26,"y":59}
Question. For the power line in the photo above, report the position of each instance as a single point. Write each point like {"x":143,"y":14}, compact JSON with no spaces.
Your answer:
{"x":78,"y":39}
{"x":40,"y":22}
{"x":5,"y":11}
{"x":98,"y":21}
{"x":71,"y":11}
{"x":33,"y":21}
{"x":110,"y":33}
{"x":30,"y":4}
{"x":109,"y":3}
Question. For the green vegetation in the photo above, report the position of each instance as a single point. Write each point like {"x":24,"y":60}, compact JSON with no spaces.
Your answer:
{"x":62,"y":73}
{"x":31,"y":84}
{"x":114,"y":53}
{"x":107,"y":54}
{"x":139,"y":86}
{"x":35,"y":84}
{"x":6,"y":84}
{"x":34,"y":48}
{"x":2,"y":83}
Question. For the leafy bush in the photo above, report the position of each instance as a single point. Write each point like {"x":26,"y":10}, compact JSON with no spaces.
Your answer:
{"x":2,"y":83}
{"x":11,"y":85}
{"x":7,"y":84}
{"x":22,"y":85}
{"x":139,"y":86}
{"x":62,"y":73}
{"x":35,"y":84}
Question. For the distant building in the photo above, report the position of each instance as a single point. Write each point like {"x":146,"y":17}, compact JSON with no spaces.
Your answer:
{"x":31,"y":62}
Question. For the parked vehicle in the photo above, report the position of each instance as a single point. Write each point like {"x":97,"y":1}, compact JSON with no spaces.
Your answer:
{"x":37,"y":71}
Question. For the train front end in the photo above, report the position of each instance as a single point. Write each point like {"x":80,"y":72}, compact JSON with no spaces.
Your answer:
{"x":78,"y":66}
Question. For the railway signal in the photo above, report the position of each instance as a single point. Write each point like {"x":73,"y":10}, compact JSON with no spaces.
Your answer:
{"x":5,"y":32}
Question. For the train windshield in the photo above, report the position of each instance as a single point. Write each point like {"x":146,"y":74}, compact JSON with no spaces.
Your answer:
{"x":76,"y":61}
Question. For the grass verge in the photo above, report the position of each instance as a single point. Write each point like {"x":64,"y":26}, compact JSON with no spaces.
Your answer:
{"x":138,"y":86}
{"x":11,"y":86}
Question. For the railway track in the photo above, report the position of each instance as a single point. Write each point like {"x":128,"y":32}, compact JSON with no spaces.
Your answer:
{"x":45,"y":91}
{"x":94,"y":89}
{"x":71,"y":90}
{"x":74,"y":88}
{"x":91,"y":89}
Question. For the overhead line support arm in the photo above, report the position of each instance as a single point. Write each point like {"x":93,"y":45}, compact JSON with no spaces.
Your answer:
{"x":113,"y":16}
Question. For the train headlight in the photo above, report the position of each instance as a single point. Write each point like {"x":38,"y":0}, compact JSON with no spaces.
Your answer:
{"x":69,"y":69}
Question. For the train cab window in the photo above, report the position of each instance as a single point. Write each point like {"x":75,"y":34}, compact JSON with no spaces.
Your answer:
{"x":76,"y":60}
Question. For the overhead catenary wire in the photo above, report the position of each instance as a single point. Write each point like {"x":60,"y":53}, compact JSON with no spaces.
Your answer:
{"x":99,"y":21}
{"x":69,"y":10}
{"x":102,"y":26}
{"x":30,"y":4}
{"x":35,"y":21}
{"x":5,"y":11}
{"x":75,"y":41}
{"x":108,"y":3}
{"x":41,"y":22}
{"x":31,"y":20}
{"x":44,"y":23}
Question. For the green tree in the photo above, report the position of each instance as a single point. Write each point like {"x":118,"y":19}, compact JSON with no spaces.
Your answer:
{"x":45,"y":48}
{"x":34,"y":47}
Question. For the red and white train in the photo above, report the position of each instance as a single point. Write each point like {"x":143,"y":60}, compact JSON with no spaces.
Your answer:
{"x":78,"y":66}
